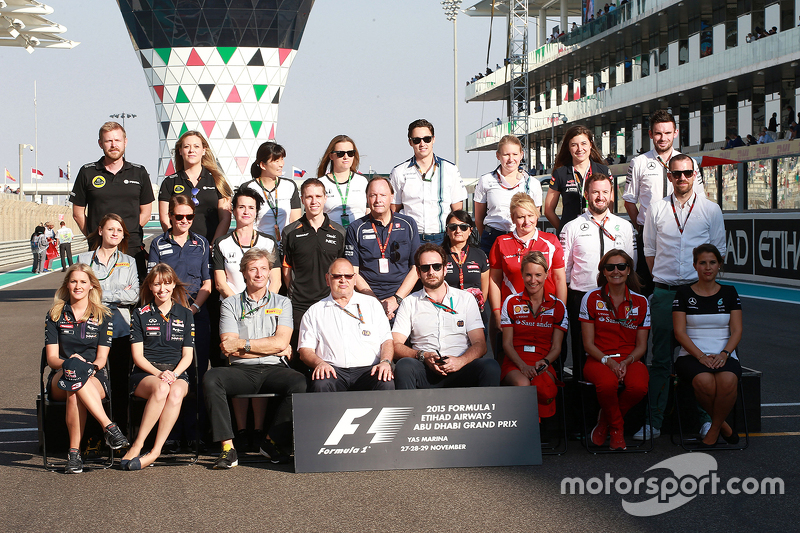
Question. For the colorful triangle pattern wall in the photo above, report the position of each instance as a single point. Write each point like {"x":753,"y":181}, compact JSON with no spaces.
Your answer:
{"x":230,"y":94}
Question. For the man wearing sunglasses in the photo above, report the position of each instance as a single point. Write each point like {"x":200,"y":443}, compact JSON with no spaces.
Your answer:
{"x":345,"y":338}
{"x":114,"y":185}
{"x":381,"y":246}
{"x":585,"y":240}
{"x":446,"y":332}
{"x":674,"y":226}
{"x":427,"y":187}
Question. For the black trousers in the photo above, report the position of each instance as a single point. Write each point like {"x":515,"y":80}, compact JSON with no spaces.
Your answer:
{"x":574,"y":299}
{"x":357,"y":378}
{"x":412,"y":373}
{"x":65,"y":250}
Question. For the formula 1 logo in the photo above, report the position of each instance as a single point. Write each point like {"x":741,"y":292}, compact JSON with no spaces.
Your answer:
{"x":384,"y":427}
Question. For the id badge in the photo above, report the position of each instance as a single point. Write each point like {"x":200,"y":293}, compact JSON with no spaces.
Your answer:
{"x":531,"y":349}
{"x":383,"y":265}
{"x":345,"y":221}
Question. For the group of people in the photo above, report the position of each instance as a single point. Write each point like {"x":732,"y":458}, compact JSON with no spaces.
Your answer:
{"x":47,"y":244}
{"x":760,"y":33}
{"x":349,"y":284}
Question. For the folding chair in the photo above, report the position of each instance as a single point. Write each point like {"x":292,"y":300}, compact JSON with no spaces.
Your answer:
{"x":588,"y":387}
{"x":680,"y":388}
{"x":140,"y":403}
{"x":47,"y":420}
{"x":258,"y":458}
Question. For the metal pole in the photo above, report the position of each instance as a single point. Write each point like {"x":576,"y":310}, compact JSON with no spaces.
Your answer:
{"x":35,"y":141}
{"x":455,"y":88}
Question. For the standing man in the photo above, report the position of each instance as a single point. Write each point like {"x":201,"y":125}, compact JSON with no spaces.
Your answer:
{"x":585,"y":240}
{"x":64,"y":236}
{"x":255,"y":327}
{"x":675,"y":225}
{"x":114,"y":185}
{"x":310,"y":244}
{"x":346,"y":338}
{"x":381,"y":247}
{"x":446,"y":332}
{"x":647,"y":182}
{"x":427,"y":187}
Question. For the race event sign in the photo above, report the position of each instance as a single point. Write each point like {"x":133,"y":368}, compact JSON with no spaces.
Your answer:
{"x":433,"y":428}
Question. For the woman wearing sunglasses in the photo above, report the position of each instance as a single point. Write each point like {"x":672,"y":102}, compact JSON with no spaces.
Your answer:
{"x":198,"y":178}
{"x":533,"y":324}
{"x":467,"y":266}
{"x":494,"y":190}
{"x":279,"y":195}
{"x":345,"y":188}
{"x":707,"y":318}
{"x":615,"y":323}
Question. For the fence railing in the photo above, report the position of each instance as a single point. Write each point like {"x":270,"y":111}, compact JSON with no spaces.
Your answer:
{"x":13,"y":252}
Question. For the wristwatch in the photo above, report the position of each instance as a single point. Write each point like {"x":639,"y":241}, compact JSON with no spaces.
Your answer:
{"x":421,"y":355}
{"x":247,"y":346}
{"x":399,"y":300}
{"x":604,"y":359}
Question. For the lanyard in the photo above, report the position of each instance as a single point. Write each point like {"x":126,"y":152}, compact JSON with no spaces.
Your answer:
{"x":523,"y":178}
{"x":613,"y":310}
{"x":252,"y":240}
{"x":521,"y":252}
{"x":675,"y":213}
{"x":116,"y":259}
{"x":440,"y":190}
{"x":272,"y":206}
{"x":542,"y":308}
{"x":579,"y":182}
{"x":252,"y":310}
{"x":382,"y":246}
{"x":460,"y":263}
{"x":603,"y":231}
{"x":360,"y":317}
{"x":443,"y":307}
{"x":346,"y":193}
{"x":664,"y":177}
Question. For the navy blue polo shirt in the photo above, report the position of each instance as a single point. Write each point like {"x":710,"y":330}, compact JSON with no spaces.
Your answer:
{"x":363,"y":251}
{"x":190,"y":261}
{"x":81,"y":338}
{"x":163,"y":337}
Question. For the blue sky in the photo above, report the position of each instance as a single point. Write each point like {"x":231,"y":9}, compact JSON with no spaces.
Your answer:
{"x":365,"y":69}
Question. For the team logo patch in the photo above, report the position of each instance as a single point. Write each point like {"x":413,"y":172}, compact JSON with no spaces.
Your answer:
{"x":719,"y":302}
{"x":521,"y":309}
{"x":651,"y":165}
{"x":144,"y":309}
{"x":179,"y":189}
{"x":600,"y":306}
{"x":76,"y":386}
{"x":274,"y":311}
{"x":365,"y":332}
{"x":396,"y":225}
{"x":70,"y":374}
{"x":123,"y":264}
{"x":98,"y":182}
{"x":584,"y":226}
{"x":460,"y":323}
{"x":177,"y":323}
{"x":692,"y":301}
{"x":153,"y":328}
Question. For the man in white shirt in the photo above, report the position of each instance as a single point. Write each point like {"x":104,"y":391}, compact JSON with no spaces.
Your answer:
{"x":585,"y":240}
{"x":64,"y":236}
{"x":647,"y":181}
{"x":446,"y":332}
{"x":426,"y":187}
{"x":345,"y":338}
{"x":674,"y":226}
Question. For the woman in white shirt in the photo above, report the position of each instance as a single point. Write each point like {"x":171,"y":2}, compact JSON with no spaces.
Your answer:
{"x":494,"y":190}
{"x":345,"y":188}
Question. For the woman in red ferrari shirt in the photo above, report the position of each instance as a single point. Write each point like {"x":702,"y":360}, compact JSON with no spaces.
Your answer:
{"x":534,"y":324}
{"x":615,"y":324}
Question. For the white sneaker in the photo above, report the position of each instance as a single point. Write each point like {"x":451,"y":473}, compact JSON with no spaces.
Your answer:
{"x":644,"y":433}
{"x":704,"y":429}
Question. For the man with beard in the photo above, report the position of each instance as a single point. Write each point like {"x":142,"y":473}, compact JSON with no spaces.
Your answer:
{"x":114,"y":185}
{"x":674,"y":226}
{"x":446,"y":333}
{"x":585,"y":240}
{"x":647,"y":181}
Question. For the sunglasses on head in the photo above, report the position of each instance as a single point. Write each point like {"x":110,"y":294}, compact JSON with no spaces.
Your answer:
{"x":416,"y":140}
{"x":435,"y":266}
{"x":194,"y":196}
{"x":677,"y":173}
{"x":181,"y":217}
{"x":340,"y":276}
{"x":394,"y":252}
{"x":341,"y":153}
{"x":462,"y":227}
{"x":609,"y":267}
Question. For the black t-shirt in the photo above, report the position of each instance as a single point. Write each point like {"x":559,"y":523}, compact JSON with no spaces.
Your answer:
{"x":75,"y":337}
{"x":163,"y":339}
{"x":474,"y":264}
{"x":102,"y":192}
{"x":206,"y":217}
{"x":572,"y":191}
{"x":310,"y":253}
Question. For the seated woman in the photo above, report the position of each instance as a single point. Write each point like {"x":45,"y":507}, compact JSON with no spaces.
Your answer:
{"x":467,"y":266}
{"x":162,"y":345}
{"x":534,"y":323}
{"x":78,"y":333}
{"x":615,"y":322}
{"x":707,"y":318}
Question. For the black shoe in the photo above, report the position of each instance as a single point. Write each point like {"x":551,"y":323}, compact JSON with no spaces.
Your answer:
{"x":114,"y":437}
{"x":74,"y":463}
{"x":227,"y":460}
{"x":731,"y":439}
{"x":241,"y":440}
{"x":271,"y":451}
{"x":202,"y":448}
{"x":171,"y":447}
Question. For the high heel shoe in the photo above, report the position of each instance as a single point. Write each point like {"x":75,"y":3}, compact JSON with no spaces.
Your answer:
{"x":733,"y":438}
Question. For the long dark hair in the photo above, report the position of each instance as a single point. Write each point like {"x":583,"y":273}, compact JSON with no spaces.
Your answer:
{"x":461,"y":216}
{"x":632,"y":282}
{"x":564,"y":158}
{"x":123,"y":244}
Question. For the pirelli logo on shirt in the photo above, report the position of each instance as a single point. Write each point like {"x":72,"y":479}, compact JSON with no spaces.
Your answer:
{"x":274,"y":311}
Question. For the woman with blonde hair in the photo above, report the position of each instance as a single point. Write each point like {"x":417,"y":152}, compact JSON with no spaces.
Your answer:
{"x":345,"y":188}
{"x":198,"y":178}
{"x":161,"y":361}
{"x":78,"y":333}
{"x":494,"y":190}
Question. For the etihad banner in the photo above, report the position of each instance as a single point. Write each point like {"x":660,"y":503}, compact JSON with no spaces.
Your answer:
{"x":763,"y":246}
{"x":433,"y":428}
